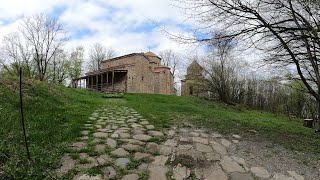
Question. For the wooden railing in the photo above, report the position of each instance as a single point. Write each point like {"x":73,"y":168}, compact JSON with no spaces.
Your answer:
{"x":106,"y":87}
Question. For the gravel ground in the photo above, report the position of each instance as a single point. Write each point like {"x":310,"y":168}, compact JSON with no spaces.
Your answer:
{"x":277,"y":159}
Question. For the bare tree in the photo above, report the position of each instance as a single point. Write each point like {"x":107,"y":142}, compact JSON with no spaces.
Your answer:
{"x":251,"y":91}
{"x":46,"y":37}
{"x":288,"y":30}
{"x":16,"y":54}
{"x":75,"y":63}
{"x":58,"y":70}
{"x":170,"y":59}
{"x":221,"y":71}
{"x":111,"y":53}
{"x":97,"y":54}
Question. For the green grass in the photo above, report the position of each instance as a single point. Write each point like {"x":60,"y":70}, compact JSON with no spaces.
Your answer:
{"x":113,"y":95}
{"x":163,"y":111}
{"x":156,"y":140}
{"x":75,"y":156}
{"x":144,"y":175}
{"x":54,"y":116}
{"x":169,"y":175}
{"x":133,"y":164}
{"x":84,"y":161}
{"x":95,"y":170}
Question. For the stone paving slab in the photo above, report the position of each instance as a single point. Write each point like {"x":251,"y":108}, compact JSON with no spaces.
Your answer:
{"x":122,"y":162}
{"x":142,"y":137}
{"x":260,"y":172}
{"x":131,"y":177}
{"x":203,"y":148}
{"x":230,"y":166}
{"x":67,"y":163}
{"x":100,"y":135}
{"x":241,"y":176}
{"x":158,"y":172}
{"x":160,"y":160}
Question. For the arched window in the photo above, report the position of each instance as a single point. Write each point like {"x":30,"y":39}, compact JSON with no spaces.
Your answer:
{"x":190,"y":90}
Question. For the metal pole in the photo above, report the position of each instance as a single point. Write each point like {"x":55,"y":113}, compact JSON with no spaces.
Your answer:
{"x":22,"y":117}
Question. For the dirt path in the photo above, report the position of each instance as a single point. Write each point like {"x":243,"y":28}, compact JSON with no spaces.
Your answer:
{"x":118,"y":143}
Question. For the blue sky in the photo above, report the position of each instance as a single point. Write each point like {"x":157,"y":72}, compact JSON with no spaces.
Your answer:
{"x":127,"y":25}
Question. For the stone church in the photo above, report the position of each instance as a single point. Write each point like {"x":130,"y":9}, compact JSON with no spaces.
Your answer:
{"x":133,"y":73}
{"x":194,"y":83}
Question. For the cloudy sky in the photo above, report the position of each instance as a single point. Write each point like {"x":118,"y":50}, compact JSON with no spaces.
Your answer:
{"x":125,"y":25}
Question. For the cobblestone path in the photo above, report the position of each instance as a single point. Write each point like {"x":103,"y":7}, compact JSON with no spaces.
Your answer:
{"x":118,"y":143}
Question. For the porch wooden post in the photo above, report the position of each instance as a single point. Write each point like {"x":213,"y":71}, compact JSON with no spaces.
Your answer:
{"x":80,"y":83}
{"x":126,"y":83}
{"x":112,"y":80}
{"x":97,"y":81}
{"x":87,"y":82}
{"x":107,"y":80}
{"x":101,"y":82}
{"x":91,"y":82}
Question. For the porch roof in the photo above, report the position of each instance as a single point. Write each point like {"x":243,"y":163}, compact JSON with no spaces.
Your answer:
{"x":101,"y":71}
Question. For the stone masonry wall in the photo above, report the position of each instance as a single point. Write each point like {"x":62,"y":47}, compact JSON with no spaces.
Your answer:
{"x":140,"y":77}
{"x":166,"y":82}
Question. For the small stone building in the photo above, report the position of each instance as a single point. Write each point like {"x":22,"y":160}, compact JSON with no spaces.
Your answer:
{"x":194,"y":82}
{"x":133,"y":73}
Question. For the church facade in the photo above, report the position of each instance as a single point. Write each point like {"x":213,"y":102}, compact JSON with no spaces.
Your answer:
{"x":194,"y":83}
{"x":133,"y":73}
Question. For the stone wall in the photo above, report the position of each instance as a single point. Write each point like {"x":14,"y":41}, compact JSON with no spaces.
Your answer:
{"x":120,"y":82}
{"x":165,"y":81}
{"x":184,"y":91}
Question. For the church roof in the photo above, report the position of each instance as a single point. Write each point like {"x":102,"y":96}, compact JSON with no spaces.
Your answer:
{"x":160,"y":68}
{"x":195,"y":64}
{"x":150,"y":54}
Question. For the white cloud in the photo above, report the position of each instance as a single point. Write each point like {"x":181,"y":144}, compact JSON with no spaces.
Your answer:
{"x":112,"y":24}
{"x":127,"y":25}
{"x":6,"y":29}
{"x":13,"y":9}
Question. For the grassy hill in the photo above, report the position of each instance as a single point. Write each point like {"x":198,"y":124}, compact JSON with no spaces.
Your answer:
{"x":55,"y":114}
{"x":165,"y":110}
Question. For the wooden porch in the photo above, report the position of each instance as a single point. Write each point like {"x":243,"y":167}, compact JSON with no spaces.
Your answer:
{"x":103,"y":80}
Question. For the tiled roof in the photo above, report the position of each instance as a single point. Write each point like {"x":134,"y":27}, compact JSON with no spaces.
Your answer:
{"x":160,"y":68}
{"x":124,"y":56}
{"x":150,"y":54}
